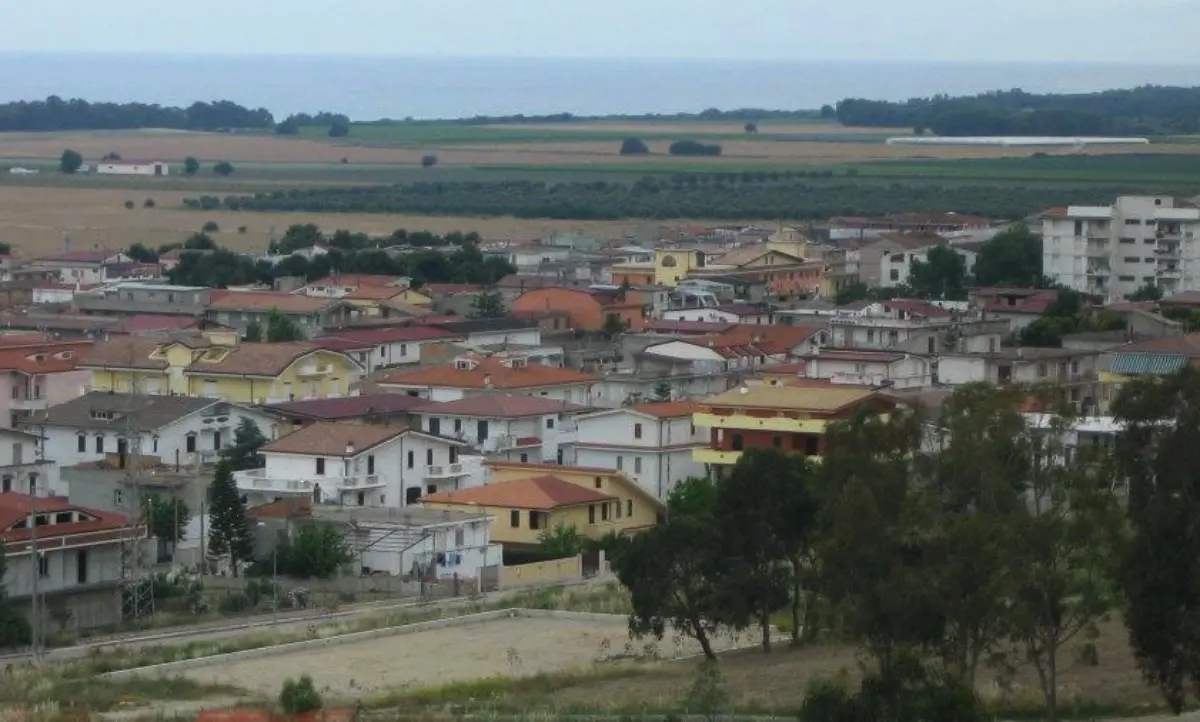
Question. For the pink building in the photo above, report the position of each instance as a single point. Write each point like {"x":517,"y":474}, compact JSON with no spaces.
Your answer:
{"x":37,"y":374}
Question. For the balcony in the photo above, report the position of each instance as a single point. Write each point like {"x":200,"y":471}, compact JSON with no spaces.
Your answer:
{"x":755,"y":423}
{"x":505,"y":443}
{"x":256,"y":480}
{"x":1098,"y":271}
{"x":314,"y":370}
{"x":710,"y":456}
{"x":28,"y":404}
{"x":445,"y":471}
{"x":1169,"y":273}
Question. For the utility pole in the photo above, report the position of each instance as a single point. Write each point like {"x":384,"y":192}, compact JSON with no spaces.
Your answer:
{"x":36,"y":560}
{"x":138,"y":591}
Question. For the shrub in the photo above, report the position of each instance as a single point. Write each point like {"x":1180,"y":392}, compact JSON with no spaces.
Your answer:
{"x":634,"y":146}
{"x":70,"y":161}
{"x":241,"y":229}
{"x":692,"y":147}
{"x":298,"y":697}
{"x":339,"y":130}
{"x":224,"y":168}
{"x":129,"y":205}
{"x":148,"y":203}
{"x":428,"y":161}
{"x":234,"y":604}
{"x":210,"y":227}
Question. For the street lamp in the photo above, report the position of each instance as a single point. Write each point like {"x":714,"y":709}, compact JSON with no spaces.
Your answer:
{"x":274,"y":579}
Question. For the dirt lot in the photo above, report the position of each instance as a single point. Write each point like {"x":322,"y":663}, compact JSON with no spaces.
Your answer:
{"x":210,"y":147}
{"x":517,"y":646}
{"x":34,"y":220}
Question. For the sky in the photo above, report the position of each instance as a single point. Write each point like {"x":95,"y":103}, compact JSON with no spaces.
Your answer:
{"x":1124,"y":31}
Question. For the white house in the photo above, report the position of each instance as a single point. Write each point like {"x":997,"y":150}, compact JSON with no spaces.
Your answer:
{"x":395,"y":345}
{"x":53,"y":293}
{"x":747,"y":313}
{"x":77,"y":570}
{"x":134,"y":167}
{"x":651,"y":443}
{"x":475,"y":375}
{"x":870,"y":368}
{"x":1073,"y":370}
{"x":424,"y":543}
{"x":24,"y":469}
{"x":178,"y":430}
{"x":479,"y":333}
{"x":513,"y":427}
{"x":356,"y":465}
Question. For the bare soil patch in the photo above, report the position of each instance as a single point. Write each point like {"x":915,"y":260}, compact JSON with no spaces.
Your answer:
{"x":34,"y":220}
{"x":517,"y":646}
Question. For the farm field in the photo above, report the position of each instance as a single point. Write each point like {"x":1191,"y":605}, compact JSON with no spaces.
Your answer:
{"x":515,"y":646}
{"x":34,"y":220}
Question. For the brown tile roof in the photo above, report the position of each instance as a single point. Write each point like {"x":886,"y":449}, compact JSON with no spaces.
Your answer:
{"x":253,"y":359}
{"x":125,"y":352}
{"x":689,"y":327}
{"x":374,"y":293}
{"x":545,"y":493}
{"x":668,"y":409}
{"x":356,"y":279}
{"x":744,"y":256}
{"x":488,"y":373}
{"x":790,"y":398}
{"x":327,"y":438}
{"x":266,"y":301}
{"x":46,"y":358}
{"x":1188,"y":345}
{"x":857,"y":355}
{"x":349,"y":407}
{"x":501,"y":406}
{"x":1186,"y":298}
{"x":396,"y":334}
{"x":449,"y":288}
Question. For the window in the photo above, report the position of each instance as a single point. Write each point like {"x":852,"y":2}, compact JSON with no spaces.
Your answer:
{"x":429,"y":457}
{"x":617,"y":509}
{"x":1041,"y":371}
{"x":320,"y":466}
{"x":535,"y":521}
{"x":81,"y":566}
{"x":371,"y":464}
{"x":99,"y":444}
{"x":1127,"y":279}
{"x":591,"y":513}
{"x":43,"y":565}
{"x":118,"y":497}
{"x":410,"y":459}
{"x":1074,"y":367}
{"x":1149,"y":242}
{"x":381,"y":352}
{"x":458,"y":426}
{"x":637,"y":431}
{"x":82,"y":440}
{"x":550,"y":423}
{"x":1148,"y":260}
{"x":620,"y":463}
{"x":403,"y":349}
{"x":629,"y":507}
{"x":191,"y":443}
{"x":737,"y":442}
{"x":524,"y":458}
{"x":460,"y":537}
{"x":894,"y":275}
{"x":604,"y":512}
{"x":1133,"y":221}
{"x":811,"y":446}
{"x":637,"y":464}
{"x":777,"y":442}
{"x":1128,"y":240}
{"x":514,"y":519}
{"x":6,"y":483}
{"x":597,"y":482}
{"x":1132,"y":259}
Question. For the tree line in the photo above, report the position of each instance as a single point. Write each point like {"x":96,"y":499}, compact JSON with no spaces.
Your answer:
{"x":1147,"y":110}
{"x":217,"y":267}
{"x":55,"y":113}
{"x":812,"y":195}
{"x":977,"y":538}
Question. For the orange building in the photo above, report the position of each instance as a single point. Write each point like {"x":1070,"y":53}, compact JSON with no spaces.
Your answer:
{"x":587,"y":309}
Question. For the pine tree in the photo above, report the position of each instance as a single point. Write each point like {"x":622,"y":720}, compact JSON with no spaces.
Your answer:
{"x":247,"y":440}
{"x":254,"y":332}
{"x":229,"y":531}
{"x":282,"y":328}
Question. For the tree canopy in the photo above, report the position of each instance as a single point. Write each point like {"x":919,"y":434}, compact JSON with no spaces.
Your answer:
{"x":1012,"y":258}
{"x":228,"y":530}
{"x":70,"y":161}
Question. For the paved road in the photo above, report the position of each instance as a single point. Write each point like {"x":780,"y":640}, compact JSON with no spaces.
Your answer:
{"x":292,"y":620}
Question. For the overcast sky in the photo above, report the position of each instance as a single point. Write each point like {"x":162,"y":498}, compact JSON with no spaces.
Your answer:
{"x":1126,"y":31}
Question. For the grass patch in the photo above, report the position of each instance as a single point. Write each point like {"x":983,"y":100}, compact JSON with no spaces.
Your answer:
{"x":59,"y":690}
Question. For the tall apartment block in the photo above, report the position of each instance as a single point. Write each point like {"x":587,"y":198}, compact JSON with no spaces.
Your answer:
{"x":1111,"y":251}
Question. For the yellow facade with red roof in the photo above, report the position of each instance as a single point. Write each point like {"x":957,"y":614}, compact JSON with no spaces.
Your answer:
{"x":526,"y":499}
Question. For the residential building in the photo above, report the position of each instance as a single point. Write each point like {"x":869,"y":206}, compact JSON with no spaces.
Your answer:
{"x":742,"y":348}
{"x":177,"y":430}
{"x":24,"y":468}
{"x":784,"y":274}
{"x":458,"y":299}
{"x":897,"y":253}
{"x":650,"y":443}
{"x":515,"y":427}
{"x":1113,"y":250}
{"x":215,"y":365}
{"x":588,"y":309}
{"x":1142,"y":359}
{"x":131,"y":298}
{"x":477,"y":333}
{"x":861,"y":367}
{"x":473,"y":375}
{"x":312,"y":315}
{"x":1072,"y":369}
{"x":1019,"y":306}
{"x":394,"y":345}
{"x":743,"y":313}
{"x":915,"y":327}
{"x":354,"y":464}
{"x":39,"y":374}
{"x":342,"y":284}
{"x":858,"y":226}
{"x":425,"y":544}
{"x":64,"y":326}
{"x":77,"y":570}
{"x":74,"y":267}
{"x":669,"y":267}
{"x":787,"y":418}
{"x":526,"y":499}
{"x":369,"y":408}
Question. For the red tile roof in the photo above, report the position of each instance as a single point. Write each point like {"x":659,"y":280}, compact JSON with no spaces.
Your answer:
{"x":668,"y":409}
{"x":545,"y":492}
{"x":44,"y":358}
{"x":328,"y":438}
{"x":488,"y":373}
{"x":688,"y":327}
{"x":918,"y":309}
{"x":149,"y":323}
{"x":374,"y":293}
{"x":15,"y":506}
{"x":356,"y":279}
{"x":501,"y":406}
{"x":449,"y":288}
{"x":266,"y":301}
{"x":1188,"y":345}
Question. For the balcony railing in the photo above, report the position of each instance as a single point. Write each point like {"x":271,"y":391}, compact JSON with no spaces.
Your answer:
{"x":444,"y":471}
{"x":765,"y":423}
{"x":257,"y":480}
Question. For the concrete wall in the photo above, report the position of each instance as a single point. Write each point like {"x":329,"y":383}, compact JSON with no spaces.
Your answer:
{"x":554,"y":570}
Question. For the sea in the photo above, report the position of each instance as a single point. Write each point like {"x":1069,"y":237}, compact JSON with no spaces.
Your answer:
{"x":375,"y":87}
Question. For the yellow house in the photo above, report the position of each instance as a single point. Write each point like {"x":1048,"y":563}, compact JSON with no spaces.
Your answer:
{"x":672,"y":266}
{"x":790,"y":241}
{"x":216,"y":367}
{"x":526,"y":499}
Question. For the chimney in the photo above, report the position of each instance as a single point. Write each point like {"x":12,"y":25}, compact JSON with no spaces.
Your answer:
{"x":487,"y":381}
{"x":349,"y":448}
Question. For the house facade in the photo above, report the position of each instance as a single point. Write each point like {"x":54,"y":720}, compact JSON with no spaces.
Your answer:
{"x":394,"y":345}
{"x":178,"y":431}
{"x":473,"y":375}
{"x":312,"y":315}
{"x":870,"y":368}
{"x":588,"y":309}
{"x":355,"y":465}
{"x":25,"y":469}
{"x":650,"y":443}
{"x":513,"y":427}
{"x":1074,"y":370}
{"x":39,"y":375}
